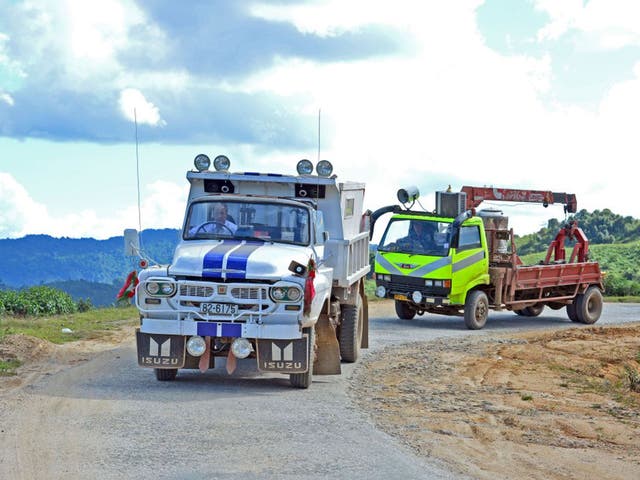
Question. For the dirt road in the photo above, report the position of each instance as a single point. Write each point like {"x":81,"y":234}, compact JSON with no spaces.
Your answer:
{"x":433,"y":409}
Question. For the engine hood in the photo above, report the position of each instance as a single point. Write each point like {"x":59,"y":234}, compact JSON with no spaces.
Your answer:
{"x":237,"y":260}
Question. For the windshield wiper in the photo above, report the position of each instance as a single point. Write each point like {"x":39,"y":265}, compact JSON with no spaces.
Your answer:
{"x":251,"y":237}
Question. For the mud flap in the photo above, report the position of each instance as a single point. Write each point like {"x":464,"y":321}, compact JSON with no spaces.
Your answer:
{"x":283,"y":356}
{"x":160,"y":351}
{"x":328,"y":353}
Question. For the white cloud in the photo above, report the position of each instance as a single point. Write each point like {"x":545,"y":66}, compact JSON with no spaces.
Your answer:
{"x":6,"y":98}
{"x":609,"y":24}
{"x":134,"y":105}
{"x":162,"y":207}
{"x":19,"y":214}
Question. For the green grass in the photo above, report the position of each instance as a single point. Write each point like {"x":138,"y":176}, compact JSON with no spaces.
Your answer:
{"x":86,"y":325}
{"x":8,"y":367}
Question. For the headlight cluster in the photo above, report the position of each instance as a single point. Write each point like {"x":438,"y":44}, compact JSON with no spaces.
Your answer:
{"x":285,"y":294}
{"x":160,"y":289}
{"x":438,"y":283}
{"x":385,"y":277}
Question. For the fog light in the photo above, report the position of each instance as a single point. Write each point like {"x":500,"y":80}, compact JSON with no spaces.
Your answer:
{"x":241,"y":347}
{"x":196,"y":346}
{"x":416,"y":296}
{"x":381,"y":292}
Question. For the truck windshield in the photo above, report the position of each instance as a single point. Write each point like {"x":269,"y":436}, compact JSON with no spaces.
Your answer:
{"x":415,"y":236}
{"x":268,"y":221}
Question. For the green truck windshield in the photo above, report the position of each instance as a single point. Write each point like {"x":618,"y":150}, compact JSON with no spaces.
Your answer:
{"x":415,"y":236}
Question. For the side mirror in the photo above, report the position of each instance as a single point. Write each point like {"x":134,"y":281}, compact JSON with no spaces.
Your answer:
{"x":131,"y":242}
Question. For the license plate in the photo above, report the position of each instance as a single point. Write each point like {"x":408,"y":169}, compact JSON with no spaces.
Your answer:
{"x":218,"y":309}
{"x":397,"y":296}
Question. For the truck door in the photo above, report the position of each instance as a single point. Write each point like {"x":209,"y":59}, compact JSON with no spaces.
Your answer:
{"x":469,"y":260}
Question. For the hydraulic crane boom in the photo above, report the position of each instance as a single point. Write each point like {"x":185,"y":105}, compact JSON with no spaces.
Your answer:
{"x":476,"y":195}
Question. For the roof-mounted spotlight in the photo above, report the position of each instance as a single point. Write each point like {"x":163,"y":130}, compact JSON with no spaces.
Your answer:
{"x":202,"y":162}
{"x":304,"y":167}
{"x":408,"y":194}
{"x":221,"y":163}
{"x":324,"y":168}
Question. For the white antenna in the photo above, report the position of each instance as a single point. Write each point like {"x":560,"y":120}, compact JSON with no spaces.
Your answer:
{"x":135,"y":119}
{"x":319,"y":110}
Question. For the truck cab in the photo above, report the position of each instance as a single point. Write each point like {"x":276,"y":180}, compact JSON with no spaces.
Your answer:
{"x":427,"y":267}
{"x":268,"y":266}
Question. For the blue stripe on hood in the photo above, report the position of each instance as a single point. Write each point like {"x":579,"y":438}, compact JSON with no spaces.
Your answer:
{"x":237,"y":259}
{"x":212,"y":261}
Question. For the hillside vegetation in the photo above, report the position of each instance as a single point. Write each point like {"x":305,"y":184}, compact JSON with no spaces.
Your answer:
{"x":600,"y":227}
{"x":613,"y":242}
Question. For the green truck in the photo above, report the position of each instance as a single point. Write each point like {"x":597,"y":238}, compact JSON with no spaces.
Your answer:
{"x":460,"y":261}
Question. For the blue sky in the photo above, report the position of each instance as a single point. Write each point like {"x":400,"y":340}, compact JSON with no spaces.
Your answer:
{"x":541,"y":94}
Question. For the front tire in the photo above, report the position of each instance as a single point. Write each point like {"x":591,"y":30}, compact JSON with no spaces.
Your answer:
{"x":303,"y":380}
{"x":166,"y":374}
{"x":589,"y":306}
{"x":404,"y":310}
{"x":476,"y":310}
{"x":351,"y":329}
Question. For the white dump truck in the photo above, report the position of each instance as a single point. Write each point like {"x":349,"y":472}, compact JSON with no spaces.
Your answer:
{"x":269,"y":266}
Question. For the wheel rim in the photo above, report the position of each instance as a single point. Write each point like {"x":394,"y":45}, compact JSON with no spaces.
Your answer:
{"x":481,"y":311}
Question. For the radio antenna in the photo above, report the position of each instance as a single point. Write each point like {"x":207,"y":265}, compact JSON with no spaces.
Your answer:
{"x":319,"y":110}
{"x":135,"y":121}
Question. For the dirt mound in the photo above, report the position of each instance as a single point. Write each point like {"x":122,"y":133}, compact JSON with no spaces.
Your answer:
{"x":39,"y":357}
{"x":25,"y":348}
{"x":549,"y":406}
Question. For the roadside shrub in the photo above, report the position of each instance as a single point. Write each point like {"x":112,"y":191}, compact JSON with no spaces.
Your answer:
{"x":84,"y":305}
{"x":633,"y":376}
{"x":37,"y":301}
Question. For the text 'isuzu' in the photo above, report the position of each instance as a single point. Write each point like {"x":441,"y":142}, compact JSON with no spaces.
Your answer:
{"x":269,"y":266}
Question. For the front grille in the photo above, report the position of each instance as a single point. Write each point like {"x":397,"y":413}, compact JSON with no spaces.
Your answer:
{"x":249,"y":293}
{"x":406,"y":285}
{"x":195,"y":291}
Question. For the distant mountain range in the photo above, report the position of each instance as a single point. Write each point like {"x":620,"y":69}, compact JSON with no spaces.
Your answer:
{"x":83,"y":267}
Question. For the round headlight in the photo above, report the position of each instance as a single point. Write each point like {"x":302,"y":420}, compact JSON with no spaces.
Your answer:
{"x":221,"y":163}
{"x":202,"y":162}
{"x":324,"y":168}
{"x":381,"y":292}
{"x":278,"y":293}
{"x":166,"y":288}
{"x":416,"y":296}
{"x":196,"y":346}
{"x":153,"y":288}
{"x":304,"y":167}
{"x":241,"y":347}
{"x":294,"y":294}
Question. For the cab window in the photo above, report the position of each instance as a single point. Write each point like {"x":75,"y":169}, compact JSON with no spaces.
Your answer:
{"x":469,"y":238}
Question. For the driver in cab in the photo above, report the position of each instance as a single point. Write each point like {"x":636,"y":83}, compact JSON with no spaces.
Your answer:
{"x":218,"y":223}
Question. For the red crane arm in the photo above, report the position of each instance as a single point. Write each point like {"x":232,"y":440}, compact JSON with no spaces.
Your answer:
{"x":476,"y":195}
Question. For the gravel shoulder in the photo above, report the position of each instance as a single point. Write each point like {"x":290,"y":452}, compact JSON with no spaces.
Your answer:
{"x":540,"y":405}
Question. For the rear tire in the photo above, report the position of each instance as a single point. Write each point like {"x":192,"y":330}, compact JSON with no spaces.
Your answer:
{"x":303,"y":380}
{"x":166,"y":374}
{"x":351,"y":328}
{"x":404,"y":310}
{"x":476,"y":310}
{"x":571,"y":312}
{"x":589,"y":306}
